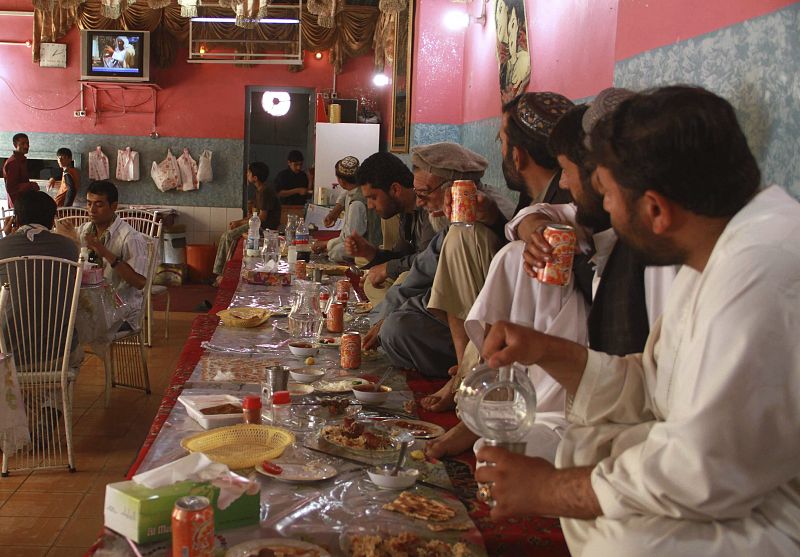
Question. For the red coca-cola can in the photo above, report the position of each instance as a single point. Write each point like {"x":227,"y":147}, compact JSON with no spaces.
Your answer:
{"x":192,"y":527}
{"x":465,"y":202}
{"x":350,"y":351}
{"x":558,"y":270}
{"x":334,"y":321}
{"x":300,"y":271}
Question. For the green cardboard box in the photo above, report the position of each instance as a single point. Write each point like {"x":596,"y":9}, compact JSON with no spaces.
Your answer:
{"x":145,"y":514}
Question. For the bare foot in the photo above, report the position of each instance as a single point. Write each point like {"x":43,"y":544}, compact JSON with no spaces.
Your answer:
{"x":440,"y":401}
{"x":454,"y":442}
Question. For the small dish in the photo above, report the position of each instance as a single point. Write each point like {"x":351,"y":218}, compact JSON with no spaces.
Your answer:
{"x":381,"y":476}
{"x":301,"y":473}
{"x":303,"y":349}
{"x":302,"y":375}
{"x":299,"y":389}
{"x":367,"y":393}
{"x":330,"y":342}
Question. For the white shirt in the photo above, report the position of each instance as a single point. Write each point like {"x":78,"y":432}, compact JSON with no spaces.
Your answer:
{"x":705,"y":424}
{"x":355,"y":220}
{"x":122,"y":240}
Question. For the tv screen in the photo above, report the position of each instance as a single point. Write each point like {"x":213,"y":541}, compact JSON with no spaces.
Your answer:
{"x":115,"y":55}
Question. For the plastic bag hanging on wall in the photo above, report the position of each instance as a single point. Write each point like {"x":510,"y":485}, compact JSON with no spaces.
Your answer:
{"x":188,"y":168}
{"x":127,"y":165}
{"x":98,"y":165}
{"x":204,"y":172}
{"x":166,"y":174}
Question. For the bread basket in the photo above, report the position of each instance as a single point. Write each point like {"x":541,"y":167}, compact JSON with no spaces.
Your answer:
{"x":240,"y":446}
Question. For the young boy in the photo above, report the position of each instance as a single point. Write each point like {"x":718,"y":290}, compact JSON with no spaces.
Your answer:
{"x":70,"y":179}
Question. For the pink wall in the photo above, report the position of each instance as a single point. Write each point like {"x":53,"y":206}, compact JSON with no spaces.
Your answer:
{"x":647,"y":24}
{"x":198,"y":100}
{"x":438,"y":66}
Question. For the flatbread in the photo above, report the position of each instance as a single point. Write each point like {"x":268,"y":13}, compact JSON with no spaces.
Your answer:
{"x":419,"y":506}
{"x":234,"y":369}
{"x":404,"y":544}
{"x":459,"y":526}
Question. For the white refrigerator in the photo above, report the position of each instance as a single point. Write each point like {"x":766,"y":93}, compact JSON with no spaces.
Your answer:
{"x":333,"y":143}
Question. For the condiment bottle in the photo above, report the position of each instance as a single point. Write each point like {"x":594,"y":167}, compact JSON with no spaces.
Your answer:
{"x":251,"y":409}
{"x":281,"y":407}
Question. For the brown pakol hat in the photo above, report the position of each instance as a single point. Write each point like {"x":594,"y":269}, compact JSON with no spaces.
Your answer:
{"x":537,"y":113}
{"x":450,"y":161}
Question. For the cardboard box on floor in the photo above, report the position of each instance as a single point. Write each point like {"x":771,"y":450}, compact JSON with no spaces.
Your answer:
{"x":145,"y":515}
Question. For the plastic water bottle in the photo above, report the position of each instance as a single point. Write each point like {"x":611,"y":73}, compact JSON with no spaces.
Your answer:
{"x":302,"y":241}
{"x":253,"y":235}
{"x":289,"y":234}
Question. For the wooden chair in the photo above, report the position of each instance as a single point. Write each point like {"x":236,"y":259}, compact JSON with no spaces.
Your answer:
{"x":38,"y":304}
{"x":148,"y":228}
{"x":125,"y":363}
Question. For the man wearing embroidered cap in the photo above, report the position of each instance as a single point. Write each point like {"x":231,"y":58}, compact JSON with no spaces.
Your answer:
{"x":357,"y":217}
{"x":412,"y":336}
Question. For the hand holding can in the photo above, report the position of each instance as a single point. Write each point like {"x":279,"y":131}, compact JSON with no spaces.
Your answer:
{"x":558,"y":269}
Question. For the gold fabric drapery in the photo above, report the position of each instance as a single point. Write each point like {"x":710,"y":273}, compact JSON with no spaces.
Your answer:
{"x":352,"y":35}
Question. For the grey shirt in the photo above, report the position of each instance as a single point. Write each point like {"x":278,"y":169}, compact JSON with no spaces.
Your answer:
{"x":415,"y":234}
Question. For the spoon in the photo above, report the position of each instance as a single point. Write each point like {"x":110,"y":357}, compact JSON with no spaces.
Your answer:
{"x":382,"y":379}
{"x":403,"y":448}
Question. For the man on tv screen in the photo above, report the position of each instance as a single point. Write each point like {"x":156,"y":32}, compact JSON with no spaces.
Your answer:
{"x":119,"y":52}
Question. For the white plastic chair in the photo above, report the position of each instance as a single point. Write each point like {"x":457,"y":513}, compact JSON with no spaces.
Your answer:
{"x":5,"y":215}
{"x":63,"y":212}
{"x":153,"y":229}
{"x":126,"y":363}
{"x":38,"y":304}
{"x":137,"y":214}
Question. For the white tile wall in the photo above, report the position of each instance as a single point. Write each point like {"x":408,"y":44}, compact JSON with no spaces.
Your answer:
{"x":204,"y":225}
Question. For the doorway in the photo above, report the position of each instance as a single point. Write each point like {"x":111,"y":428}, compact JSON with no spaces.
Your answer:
{"x":269,"y":138}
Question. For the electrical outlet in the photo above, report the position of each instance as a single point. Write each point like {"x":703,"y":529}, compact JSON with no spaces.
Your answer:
{"x":80,"y":114}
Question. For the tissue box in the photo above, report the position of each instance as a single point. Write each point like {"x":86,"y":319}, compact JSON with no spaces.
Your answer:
{"x":145,"y":515}
{"x":266,"y":277}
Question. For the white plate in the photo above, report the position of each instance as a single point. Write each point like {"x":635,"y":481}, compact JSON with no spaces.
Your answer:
{"x":301,"y":473}
{"x":433,"y":429}
{"x":298,"y":389}
{"x":338,"y":385}
{"x":252,"y":547}
{"x":337,"y":342}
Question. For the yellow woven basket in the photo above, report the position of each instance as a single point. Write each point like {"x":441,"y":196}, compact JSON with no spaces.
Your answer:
{"x":244,"y":317}
{"x":240,"y":446}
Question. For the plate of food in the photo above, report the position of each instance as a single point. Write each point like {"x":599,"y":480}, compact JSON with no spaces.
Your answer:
{"x":299,"y":389}
{"x":363,"y":438}
{"x":362,"y":307}
{"x":330,"y":342}
{"x":418,"y":428}
{"x":336,"y":407}
{"x":244,"y":317}
{"x":381,"y":537}
{"x":314,"y":471}
{"x":338,"y":384}
{"x":276,"y":547}
{"x":329,"y":268}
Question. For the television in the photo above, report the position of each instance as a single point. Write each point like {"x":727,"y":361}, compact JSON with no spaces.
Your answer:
{"x":115,"y":55}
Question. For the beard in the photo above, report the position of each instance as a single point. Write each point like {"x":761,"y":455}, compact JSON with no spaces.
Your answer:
{"x":651,"y":248}
{"x":439,"y":222}
{"x":512,"y":176}
{"x":590,"y":211}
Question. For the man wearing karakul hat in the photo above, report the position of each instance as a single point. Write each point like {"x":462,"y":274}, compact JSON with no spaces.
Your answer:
{"x":412,"y":336}
{"x":357,"y":217}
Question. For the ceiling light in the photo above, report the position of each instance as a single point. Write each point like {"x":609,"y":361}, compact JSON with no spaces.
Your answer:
{"x":318,"y":55}
{"x":455,"y":20}
{"x":380,"y":80}
{"x":276,"y":103}
{"x":202,"y":49}
{"x":233,"y":20}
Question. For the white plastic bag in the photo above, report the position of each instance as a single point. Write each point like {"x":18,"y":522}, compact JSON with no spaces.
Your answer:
{"x":166,"y":174}
{"x":204,"y":173}
{"x":127,"y":165}
{"x":188,"y":169}
{"x":98,"y":165}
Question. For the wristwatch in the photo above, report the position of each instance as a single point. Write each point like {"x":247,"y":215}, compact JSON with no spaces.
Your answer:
{"x":116,"y":262}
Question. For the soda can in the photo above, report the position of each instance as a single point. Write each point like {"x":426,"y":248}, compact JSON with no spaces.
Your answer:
{"x":324,"y":298}
{"x":465,"y":202}
{"x":558,"y":270}
{"x":350,"y":351}
{"x":192,"y":527}
{"x":335,"y":318}
{"x":343,"y":287}
{"x":300,"y":271}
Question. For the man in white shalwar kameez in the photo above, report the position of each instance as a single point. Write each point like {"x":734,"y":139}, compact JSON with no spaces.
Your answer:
{"x":693,"y":446}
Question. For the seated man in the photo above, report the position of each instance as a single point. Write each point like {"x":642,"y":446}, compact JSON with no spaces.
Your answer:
{"x":693,"y":446}
{"x":358,"y":219}
{"x":530,"y":169}
{"x":626,"y":296}
{"x":120,"y":249}
{"x":413,"y":337}
{"x":388,"y":184}
{"x":267,"y":204}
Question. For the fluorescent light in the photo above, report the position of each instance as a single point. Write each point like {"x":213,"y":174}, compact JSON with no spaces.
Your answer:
{"x":380,"y":80}
{"x":233,"y":20}
{"x":276,"y":103}
{"x":456,"y":21}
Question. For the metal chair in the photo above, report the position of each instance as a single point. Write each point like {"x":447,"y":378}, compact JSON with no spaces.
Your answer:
{"x":38,"y":304}
{"x":63,"y":212}
{"x":148,"y":228}
{"x":6,"y":215}
{"x":125,"y":362}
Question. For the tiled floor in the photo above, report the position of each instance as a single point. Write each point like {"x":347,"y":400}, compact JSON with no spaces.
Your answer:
{"x":58,"y":514}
